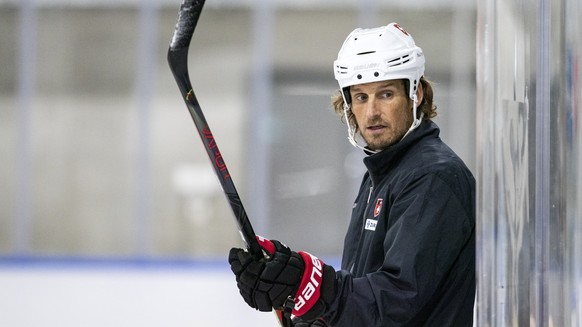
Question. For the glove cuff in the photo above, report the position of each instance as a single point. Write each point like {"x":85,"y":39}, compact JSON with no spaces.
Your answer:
{"x":309,"y":289}
{"x":316,"y":290}
{"x":328,"y":290}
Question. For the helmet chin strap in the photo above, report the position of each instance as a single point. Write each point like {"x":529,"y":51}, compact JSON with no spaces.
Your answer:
{"x":416,"y":121}
{"x":352,"y":131}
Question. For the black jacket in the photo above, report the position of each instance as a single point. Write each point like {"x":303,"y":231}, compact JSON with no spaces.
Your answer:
{"x":409,"y":253}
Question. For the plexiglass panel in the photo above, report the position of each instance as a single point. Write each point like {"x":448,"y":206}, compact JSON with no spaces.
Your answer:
{"x":529,"y":253}
{"x":565,"y":283}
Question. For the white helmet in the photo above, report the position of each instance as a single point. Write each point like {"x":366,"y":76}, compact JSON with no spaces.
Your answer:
{"x":379,"y":54}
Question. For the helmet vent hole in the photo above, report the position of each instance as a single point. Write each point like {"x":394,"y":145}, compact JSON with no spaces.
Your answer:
{"x":359,"y":76}
{"x":376,"y":74}
{"x":398,"y":61}
{"x":366,"y":52}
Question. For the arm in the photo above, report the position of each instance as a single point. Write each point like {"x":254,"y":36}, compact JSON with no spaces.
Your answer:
{"x":430,"y":225}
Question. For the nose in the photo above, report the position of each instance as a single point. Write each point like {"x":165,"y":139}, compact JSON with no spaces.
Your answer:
{"x":372,"y":108}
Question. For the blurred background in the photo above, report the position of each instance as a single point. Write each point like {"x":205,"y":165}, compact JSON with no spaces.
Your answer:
{"x":106,"y":185}
{"x":100,"y":156}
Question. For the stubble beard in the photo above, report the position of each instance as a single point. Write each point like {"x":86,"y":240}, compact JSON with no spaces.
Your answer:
{"x":391,"y":136}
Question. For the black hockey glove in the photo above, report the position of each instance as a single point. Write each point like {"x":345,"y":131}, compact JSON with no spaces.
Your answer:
{"x":296,"y":282}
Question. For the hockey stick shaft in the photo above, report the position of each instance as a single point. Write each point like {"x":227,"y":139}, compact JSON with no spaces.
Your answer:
{"x":178,"y":60}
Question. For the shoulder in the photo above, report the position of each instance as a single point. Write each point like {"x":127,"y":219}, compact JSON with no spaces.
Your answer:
{"x":433,"y":158}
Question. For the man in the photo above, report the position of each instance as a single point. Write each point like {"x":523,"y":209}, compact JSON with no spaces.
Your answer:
{"x":409,"y":252}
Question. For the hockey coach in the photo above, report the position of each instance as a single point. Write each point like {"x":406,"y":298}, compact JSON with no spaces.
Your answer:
{"x":409,"y":251}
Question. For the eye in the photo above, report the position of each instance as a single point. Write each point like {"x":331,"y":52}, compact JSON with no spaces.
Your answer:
{"x":387,"y":94}
{"x":360,"y":97}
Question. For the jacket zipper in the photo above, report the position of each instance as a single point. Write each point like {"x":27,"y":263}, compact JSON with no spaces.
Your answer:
{"x":363,"y":221}
{"x":370,"y":191}
{"x":367,"y":205}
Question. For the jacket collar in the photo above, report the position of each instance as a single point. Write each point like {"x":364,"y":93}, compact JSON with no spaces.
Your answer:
{"x":380,"y":163}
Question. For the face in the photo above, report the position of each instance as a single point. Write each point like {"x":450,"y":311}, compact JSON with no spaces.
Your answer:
{"x":383,"y":112}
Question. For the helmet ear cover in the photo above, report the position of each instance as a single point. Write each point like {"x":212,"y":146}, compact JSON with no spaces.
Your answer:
{"x":347,"y":95}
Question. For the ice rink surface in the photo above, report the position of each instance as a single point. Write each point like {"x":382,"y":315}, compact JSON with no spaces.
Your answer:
{"x":99,"y":295}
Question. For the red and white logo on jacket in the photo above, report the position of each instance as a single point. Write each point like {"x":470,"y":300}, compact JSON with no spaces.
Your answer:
{"x":378,"y":207}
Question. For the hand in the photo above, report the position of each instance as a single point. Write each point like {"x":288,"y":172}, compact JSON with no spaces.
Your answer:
{"x":284,"y":280}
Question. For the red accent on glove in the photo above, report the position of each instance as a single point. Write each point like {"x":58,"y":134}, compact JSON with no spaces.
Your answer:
{"x":309,"y":290}
{"x":266,"y":244}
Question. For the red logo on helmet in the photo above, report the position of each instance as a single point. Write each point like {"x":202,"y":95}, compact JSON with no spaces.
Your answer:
{"x":401,"y":29}
{"x":378,"y":207}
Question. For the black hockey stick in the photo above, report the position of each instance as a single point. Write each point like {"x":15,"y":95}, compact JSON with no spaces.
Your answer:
{"x":178,"y":60}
